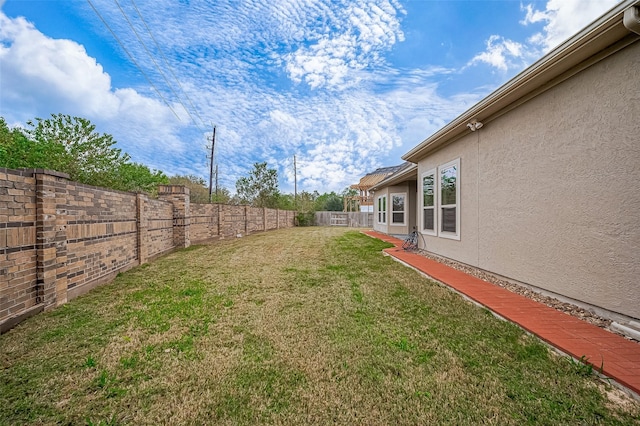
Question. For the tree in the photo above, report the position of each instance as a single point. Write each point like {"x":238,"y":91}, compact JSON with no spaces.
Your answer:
{"x":285,"y":202}
{"x":222,"y":197}
{"x":329,"y":202}
{"x":136,"y":177}
{"x":198,"y":191}
{"x":260,"y":188}
{"x":348,"y":195}
{"x":70,"y":145}
{"x":86,"y":156}
{"x":17,"y":150}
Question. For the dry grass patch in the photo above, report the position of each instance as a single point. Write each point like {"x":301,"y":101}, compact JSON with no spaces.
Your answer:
{"x":297,"y":326}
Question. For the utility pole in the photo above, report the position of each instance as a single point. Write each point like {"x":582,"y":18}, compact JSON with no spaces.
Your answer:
{"x":216,"y":182}
{"x":213,"y":145}
{"x":295,"y":183}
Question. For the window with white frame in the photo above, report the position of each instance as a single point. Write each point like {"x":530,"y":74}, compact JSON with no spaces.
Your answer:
{"x":398,"y":208}
{"x":382,"y":209}
{"x":428,"y":202}
{"x":441,"y":200}
{"x":449,"y":200}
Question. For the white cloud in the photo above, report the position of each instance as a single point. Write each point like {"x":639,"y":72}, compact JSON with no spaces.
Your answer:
{"x":351,"y":40}
{"x":60,"y":69}
{"x":562,"y":19}
{"x":41,"y":76}
{"x":238,"y":63}
{"x":501,"y":53}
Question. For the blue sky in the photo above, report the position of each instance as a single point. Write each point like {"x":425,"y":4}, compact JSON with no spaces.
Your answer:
{"x":345,"y":85}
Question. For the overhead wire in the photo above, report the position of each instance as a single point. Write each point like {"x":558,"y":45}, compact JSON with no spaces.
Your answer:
{"x":151,"y":56}
{"x":132,"y":59}
{"x":166,"y":62}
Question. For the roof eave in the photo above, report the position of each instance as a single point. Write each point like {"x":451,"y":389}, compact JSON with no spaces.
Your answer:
{"x":411,"y":172}
{"x":599,"y":35}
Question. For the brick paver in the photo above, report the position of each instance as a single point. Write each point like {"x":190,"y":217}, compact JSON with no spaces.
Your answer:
{"x":618,"y":357}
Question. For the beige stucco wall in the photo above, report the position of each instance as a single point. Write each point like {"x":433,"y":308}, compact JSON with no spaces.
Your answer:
{"x":550,"y":191}
{"x":409,"y":190}
{"x":466,"y":249}
{"x":378,"y":226}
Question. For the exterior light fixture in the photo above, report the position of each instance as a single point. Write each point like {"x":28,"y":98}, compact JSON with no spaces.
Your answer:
{"x":474,"y":125}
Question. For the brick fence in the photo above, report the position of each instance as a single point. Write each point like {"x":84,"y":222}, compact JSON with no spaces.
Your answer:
{"x":59,"y":239}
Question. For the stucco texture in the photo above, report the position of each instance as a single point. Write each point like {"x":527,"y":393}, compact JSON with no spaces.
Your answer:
{"x":409,"y":190}
{"x":549,"y":191}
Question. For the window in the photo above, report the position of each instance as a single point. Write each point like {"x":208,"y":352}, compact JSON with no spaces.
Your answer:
{"x":441,"y":201}
{"x":428,"y":202}
{"x":449,"y":201}
{"x":397,"y":208}
{"x":382,"y":209}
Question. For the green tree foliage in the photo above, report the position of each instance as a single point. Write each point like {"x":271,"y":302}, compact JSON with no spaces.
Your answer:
{"x":77,"y":149}
{"x":222,"y":197}
{"x":17,"y":151}
{"x":198,"y":190}
{"x":329,"y":202}
{"x":136,"y":177}
{"x":71,"y":145}
{"x":349,"y":192}
{"x":286,"y":202}
{"x":260,"y":188}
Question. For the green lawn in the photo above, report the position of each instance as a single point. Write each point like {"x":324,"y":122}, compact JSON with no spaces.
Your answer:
{"x":297,"y":326}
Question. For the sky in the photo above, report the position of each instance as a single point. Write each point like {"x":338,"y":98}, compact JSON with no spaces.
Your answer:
{"x":345,"y":86}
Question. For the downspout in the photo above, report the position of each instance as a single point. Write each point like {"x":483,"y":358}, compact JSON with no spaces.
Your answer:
{"x":631,"y":19}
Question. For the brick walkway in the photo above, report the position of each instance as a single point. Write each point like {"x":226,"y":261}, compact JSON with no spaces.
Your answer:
{"x":620,"y":358}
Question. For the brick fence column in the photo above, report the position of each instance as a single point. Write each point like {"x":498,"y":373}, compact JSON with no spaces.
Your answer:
{"x":51,"y":237}
{"x":178,"y":195}
{"x":246,"y":220}
{"x":277,"y":218}
{"x":264,"y":218}
{"x":142,"y":224}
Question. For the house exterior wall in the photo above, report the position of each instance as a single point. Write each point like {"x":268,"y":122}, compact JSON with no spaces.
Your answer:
{"x":549,"y":191}
{"x":466,"y":249}
{"x":409,"y":190}
{"x":412,"y":199}
{"x":380,"y":227}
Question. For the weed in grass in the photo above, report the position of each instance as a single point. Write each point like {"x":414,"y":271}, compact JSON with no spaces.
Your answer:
{"x":582,"y":367}
{"x":356,"y":292}
{"x":90,"y":362}
{"x":102,"y":380}
{"x":130,"y":362}
{"x":403,"y":344}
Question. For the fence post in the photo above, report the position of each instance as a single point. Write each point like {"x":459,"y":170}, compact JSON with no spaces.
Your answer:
{"x":143,"y":225}
{"x":51,"y":238}
{"x":246,"y":220}
{"x":264,"y":219}
{"x":178,"y":195}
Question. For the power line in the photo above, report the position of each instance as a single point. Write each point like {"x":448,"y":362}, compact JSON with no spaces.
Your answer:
{"x":155,"y":63}
{"x":132,"y":59}
{"x":166,"y":62}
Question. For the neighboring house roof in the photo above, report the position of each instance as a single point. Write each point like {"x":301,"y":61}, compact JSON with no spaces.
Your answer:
{"x":408,"y":171}
{"x":613,"y":31}
{"x":376,"y":176}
